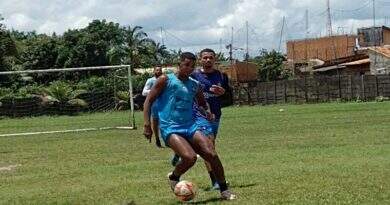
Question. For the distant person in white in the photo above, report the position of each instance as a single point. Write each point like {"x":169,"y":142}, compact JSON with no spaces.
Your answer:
{"x":157,"y":71}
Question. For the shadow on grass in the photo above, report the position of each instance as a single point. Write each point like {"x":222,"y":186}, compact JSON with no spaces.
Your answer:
{"x":242,"y":185}
{"x":233,"y":186}
{"x":215,"y":199}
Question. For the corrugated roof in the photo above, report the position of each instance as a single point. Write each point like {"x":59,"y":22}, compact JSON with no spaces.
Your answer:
{"x":384,"y":50}
{"x":358,"y":62}
{"x":333,"y":67}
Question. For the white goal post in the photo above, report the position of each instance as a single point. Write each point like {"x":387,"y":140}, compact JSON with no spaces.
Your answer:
{"x":125,"y":77}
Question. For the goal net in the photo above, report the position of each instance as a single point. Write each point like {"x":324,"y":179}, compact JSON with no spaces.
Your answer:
{"x":34,"y":102}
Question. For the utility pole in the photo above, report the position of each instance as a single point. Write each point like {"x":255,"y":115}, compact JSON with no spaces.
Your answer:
{"x":374,"y":33}
{"x":231,"y":48}
{"x":373,"y":12}
{"x":307,"y":33}
{"x":281,"y":33}
{"x":220,"y":45}
{"x":247,"y":42}
{"x":162,"y":37}
{"x":329,"y":19}
{"x":162,"y":42}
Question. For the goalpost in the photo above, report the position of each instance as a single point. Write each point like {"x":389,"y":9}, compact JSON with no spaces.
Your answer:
{"x":69,"y":99}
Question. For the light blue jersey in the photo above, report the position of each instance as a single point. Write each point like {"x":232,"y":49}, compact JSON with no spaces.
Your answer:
{"x":175,"y":108}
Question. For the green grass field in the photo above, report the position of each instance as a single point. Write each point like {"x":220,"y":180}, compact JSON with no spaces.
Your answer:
{"x":307,"y":154}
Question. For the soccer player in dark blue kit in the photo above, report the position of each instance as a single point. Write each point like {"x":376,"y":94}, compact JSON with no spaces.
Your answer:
{"x":213,"y":84}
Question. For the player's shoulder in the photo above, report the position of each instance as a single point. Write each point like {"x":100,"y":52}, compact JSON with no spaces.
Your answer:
{"x":163,"y":77}
{"x":193,"y":80}
{"x":196,"y":73}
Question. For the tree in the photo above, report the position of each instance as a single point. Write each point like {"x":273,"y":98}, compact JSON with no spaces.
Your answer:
{"x":135,"y":40}
{"x":173,"y":57}
{"x":270,"y":65}
{"x":89,"y":46}
{"x":7,"y":47}
{"x":40,"y":52}
{"x":221,"y":57}
{"x":157,"y":51}
{"x":7,"y":52}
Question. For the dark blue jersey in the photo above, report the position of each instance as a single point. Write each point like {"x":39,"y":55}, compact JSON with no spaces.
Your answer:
{"x":206,"y":80}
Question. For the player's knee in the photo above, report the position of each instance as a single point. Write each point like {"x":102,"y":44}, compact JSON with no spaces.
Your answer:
{"x":210,"y":155}
{"x":189,"y":158}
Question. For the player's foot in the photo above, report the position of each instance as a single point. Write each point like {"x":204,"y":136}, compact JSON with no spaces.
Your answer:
{"x":228,"y":195}
{"x":158,"y":144}
{"x":215,"y":186}
{"x":172,"y":183}
{"x":175,"y":160}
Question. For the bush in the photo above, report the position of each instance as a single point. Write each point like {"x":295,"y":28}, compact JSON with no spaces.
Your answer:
{"x":96,"y":84}
{"x":139,"y":82}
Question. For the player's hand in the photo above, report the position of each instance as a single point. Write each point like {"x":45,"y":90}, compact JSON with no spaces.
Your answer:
{"x":217,"y":90}
{"x":210,"y":116}
{"x":148,"y":132}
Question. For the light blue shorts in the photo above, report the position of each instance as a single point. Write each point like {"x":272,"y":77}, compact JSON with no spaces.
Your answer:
{"x":185,"y":131}
{"x":207,"y":127}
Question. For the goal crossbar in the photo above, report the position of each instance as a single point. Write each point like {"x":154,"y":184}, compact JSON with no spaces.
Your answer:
{"x":63,"y":69}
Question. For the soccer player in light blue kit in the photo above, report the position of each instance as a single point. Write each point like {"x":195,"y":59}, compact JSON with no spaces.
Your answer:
{"x":176,"y":95}
{"x":157,"y":71}
{"x":213,"y":84}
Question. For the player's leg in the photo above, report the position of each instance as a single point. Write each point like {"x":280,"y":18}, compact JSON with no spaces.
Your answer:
{"x":213,"y":179}
{"x":187,"y":154}
{"x":156,"y":131}
{"x":154,"y":122}
{"x":205,"y":149}
{"x":210,"y":129}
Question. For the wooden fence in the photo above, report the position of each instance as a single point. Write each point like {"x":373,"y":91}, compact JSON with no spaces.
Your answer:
{"x":313,"y":89}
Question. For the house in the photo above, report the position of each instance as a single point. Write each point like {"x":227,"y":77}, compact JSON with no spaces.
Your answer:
{"x":240,"y":71}
{"x":373,"y":60}
{"x":324,"y":48}
{"x":358,"y":64}
{"x":374,"y":36}
{"x":380,"y":60}
{"x":305,"y":54}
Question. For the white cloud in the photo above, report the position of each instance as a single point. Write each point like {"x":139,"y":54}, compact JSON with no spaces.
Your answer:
{"x":195,"y":22}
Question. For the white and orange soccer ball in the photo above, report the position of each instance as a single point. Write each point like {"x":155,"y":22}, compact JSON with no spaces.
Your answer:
{"x":185,"y":191}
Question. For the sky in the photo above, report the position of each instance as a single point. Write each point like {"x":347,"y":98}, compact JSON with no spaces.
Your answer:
{"x":193,"y":25}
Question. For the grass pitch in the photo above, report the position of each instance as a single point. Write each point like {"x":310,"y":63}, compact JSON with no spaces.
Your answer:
{"x":283,"y":154}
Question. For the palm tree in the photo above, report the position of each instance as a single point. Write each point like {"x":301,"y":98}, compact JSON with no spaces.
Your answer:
{"x":135,"y":45}
{"x":157,"y":51}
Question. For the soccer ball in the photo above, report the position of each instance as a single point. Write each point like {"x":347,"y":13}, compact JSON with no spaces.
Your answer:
{"x":185,"y":191}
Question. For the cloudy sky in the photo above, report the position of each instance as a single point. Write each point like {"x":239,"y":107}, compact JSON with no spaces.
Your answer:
{"x":192,"y":25}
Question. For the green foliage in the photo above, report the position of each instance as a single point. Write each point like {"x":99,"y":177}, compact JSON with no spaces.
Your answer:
{"x":5,"y":92}
{"x":63,"y":93}
{"x":96,"y":84}
{"x":270,"y":65}
{"x":139,"y":81}
{"x":7,"y":51}
{"x":40,"y":52}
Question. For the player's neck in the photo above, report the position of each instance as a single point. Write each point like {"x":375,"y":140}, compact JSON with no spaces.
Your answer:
{"x":181,"y":77}
{"x":208,"y":70}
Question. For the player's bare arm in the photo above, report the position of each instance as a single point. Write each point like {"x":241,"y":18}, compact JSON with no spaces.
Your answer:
{"x":153,"y":94}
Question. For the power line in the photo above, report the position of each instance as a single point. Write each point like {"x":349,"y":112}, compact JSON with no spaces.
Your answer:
{"x":365,"y":5}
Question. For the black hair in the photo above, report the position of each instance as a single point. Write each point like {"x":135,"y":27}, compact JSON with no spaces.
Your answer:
{"x":187,"y":55}
{"x":207,"y":50}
